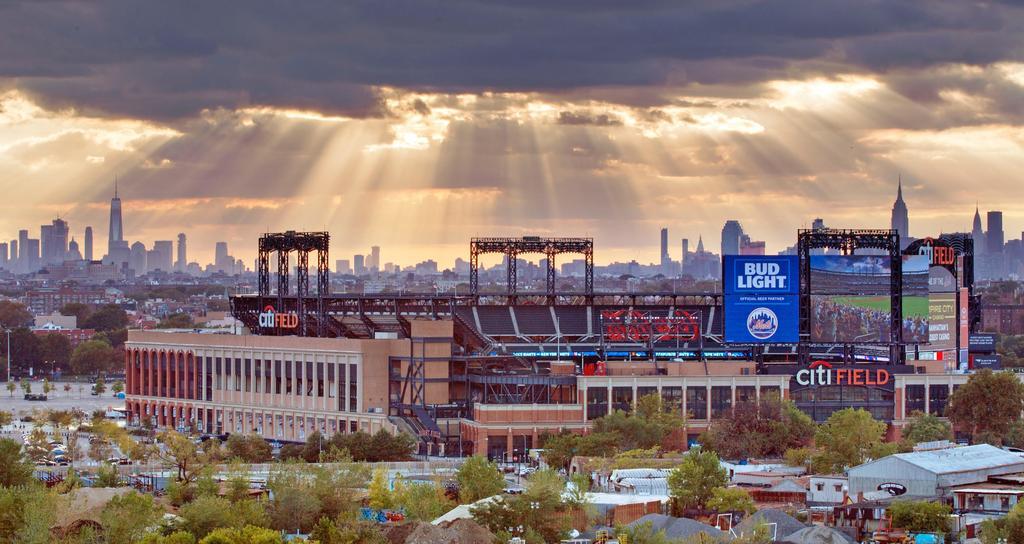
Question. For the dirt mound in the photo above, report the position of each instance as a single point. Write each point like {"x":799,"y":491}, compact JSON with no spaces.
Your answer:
{"x":460,"y":531}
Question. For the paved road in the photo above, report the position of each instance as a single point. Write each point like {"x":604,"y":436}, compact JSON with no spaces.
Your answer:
{"x":58,"y":399}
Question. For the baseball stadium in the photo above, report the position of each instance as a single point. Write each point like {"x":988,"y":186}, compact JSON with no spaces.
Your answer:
{"x":492,"y":372}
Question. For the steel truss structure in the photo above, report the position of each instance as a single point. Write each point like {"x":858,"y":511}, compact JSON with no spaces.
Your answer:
{"x":513,"y":247}
{"x":302,"y":243}
{"x":848,"y":241}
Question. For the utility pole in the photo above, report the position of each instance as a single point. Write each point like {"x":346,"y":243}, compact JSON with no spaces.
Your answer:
{"x":8,"y":331}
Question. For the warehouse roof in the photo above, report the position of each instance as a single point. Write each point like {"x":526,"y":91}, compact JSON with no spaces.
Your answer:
{"x":962,"y":459}
{"x":958,"y":459}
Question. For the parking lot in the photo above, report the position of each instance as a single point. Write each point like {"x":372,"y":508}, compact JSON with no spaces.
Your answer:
{"x":58,"y":399}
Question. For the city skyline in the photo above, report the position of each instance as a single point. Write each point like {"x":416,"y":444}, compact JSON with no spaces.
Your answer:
{"x":523,"y":136}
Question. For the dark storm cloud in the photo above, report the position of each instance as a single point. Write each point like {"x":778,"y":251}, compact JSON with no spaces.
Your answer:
{"x":171,"y":59}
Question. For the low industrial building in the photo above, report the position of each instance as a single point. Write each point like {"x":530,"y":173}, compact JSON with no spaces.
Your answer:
{"x":933,"y":473}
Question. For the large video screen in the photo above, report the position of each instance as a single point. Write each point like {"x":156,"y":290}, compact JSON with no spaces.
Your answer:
{"x":850,"y":275}
{"x":850,"y":318}
{"x":915,"y":299}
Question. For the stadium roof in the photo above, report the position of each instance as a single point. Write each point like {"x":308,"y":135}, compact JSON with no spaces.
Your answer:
{"x":961,"y":459}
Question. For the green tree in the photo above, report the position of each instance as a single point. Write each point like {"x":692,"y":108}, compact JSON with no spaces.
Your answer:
{"x":126,"y":518}
{"x":15,"y":469}
{"x":11,"y":388}
{"x":559,"y":449}
{"x":26,"y":386}
{"x":245,"y":535}
{"x":176,"y":321}
{"x":47,"y":387}
{"x":107,"y":476}
{"x":759,"y":429}
{"x":206,"y":513}
{"x":731,"y":499}
{"x":26,"y":350}
{"x":987,"y":405}
{"x":183,"y":455}
{"x":55,"y":348}
{"x":926,"y":428}
{"x":848,"y":438}
{"x":478,"y":478}
{"x":423,"y":501}
{"x":117,"y":387}
{"x":539,"y":510}
{"x":693,"y":482}
{"x":92,"y":357}
{"x":5,"y":418}
{"x":79,"y":310}
{"x":14,"y":315}
{"x":100,"y":386}
{"x":379,"y":493}
{"x":648,"y":426}
{"x":920,"y":516}
{"x":106,"y":318}
{"x":251,"y":448}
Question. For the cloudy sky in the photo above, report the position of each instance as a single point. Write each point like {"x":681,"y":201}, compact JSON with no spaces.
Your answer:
{"x":416,"y":125}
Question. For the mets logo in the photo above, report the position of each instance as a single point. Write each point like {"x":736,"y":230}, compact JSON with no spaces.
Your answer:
{"x":762,"y":323}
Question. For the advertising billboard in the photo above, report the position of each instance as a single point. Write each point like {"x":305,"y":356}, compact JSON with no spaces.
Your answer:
{"x":761,"y":275}
{"x":762,"y":319}
{"x":916,"y":280}
{"x":761,"y":303}
{"x":993,"y":361}
{"x":942,"y":325}
{"x":850,"y":275}
{"x":982,"y":342}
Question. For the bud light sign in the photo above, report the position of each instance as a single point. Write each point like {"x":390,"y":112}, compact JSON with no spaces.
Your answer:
{"x":761,"y":275}
{"x":760,"y":299}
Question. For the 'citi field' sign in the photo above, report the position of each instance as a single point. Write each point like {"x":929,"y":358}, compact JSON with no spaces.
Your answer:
{"x":822,"y":373}
{"x":271,"y":319}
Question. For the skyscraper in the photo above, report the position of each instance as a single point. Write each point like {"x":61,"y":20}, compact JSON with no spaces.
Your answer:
{"x":977,"y":234}
{"x":357,"y":264}
{"x":88,"y":244}
{"x":12,"y":260}
{"x":222,"y":261}
{"x":164,"y":251}
{"x":53,"y":239}
{"x":31,"y":251}
{"x":995,"y":232}
{"x":900,"y":221}
{"x":731,"y":234}
{"x":4,"y":259}
{"x":182,"y":263}
{"x":23,"y":252}
{"x":374,"y":259}
{"x":665,"y":259}
{"x":138,"y":259}
{"x":686,"y":249}
{"x":73,"y":253}
{"x":116,"y":233}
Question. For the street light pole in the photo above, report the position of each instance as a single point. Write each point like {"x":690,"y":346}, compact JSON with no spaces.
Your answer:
{"x":8,"y":331}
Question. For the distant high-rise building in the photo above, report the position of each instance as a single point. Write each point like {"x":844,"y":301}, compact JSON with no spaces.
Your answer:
{"x":53,"y":240}
{"x":4,"y":259}
{"x":88,"y":244}
{"x":686,"y":250}
{"x":342,"y":266}
{"x":358,"y":264}
{"x":374,"y":259}
{"x":182,"y":262}
{"x":12,"y":260}
{"x":164,"y":253}
{"x":995,"y":235}
{"x":665,"y":259}
{"x":116,"y":233}
{"x":977,"y":234}
{"x":751,"y":247}
{"x":222,"y":260}
{"x":900,"y":221}
{"x":23,"y":253}
{"x":731,"y":234}
{"x":138,"y":259}
{"x":31,"y":251}
{"x":818,"y":224}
